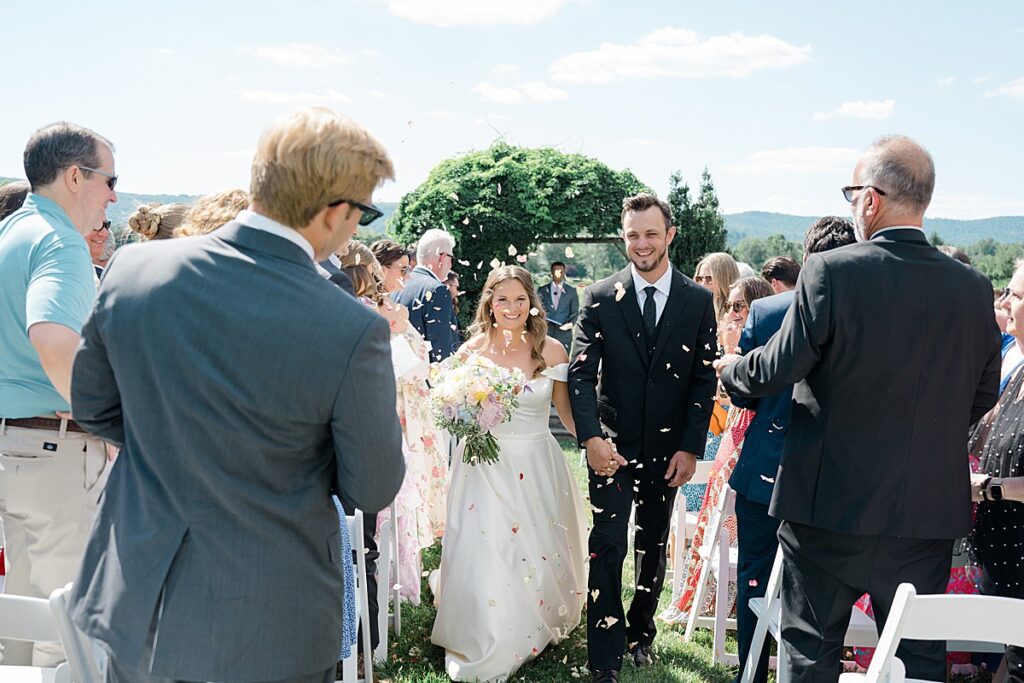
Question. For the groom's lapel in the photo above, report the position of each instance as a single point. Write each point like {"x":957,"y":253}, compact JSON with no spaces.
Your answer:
{"x":678,"y":297}
{"x":630,"y":309}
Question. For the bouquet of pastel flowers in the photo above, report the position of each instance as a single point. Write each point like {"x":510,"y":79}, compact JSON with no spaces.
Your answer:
{"x":470,"y":396}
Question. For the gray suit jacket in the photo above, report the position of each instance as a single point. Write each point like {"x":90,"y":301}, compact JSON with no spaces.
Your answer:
{"x":244,"y":388}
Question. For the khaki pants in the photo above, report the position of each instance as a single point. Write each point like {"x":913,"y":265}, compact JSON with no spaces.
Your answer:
{"x":49,"y":489}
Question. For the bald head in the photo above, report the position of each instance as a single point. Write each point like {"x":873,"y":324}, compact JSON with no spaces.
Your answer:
{"x":902,"y":169}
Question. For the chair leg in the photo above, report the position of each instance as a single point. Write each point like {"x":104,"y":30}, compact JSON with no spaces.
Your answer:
{"x":710,"y":536}
{"x":397,"y":590}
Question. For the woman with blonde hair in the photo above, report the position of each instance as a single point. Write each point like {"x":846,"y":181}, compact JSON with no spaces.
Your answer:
{"x":212,"y":211}
{"x":420,"y":504}
{"x":513,"y":573}
{"x":716,"y":272}
{"x":157,"y":221}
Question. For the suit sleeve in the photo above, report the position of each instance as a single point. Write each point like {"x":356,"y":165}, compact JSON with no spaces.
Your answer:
{"x":789,"y":355}
{"x":703,"y":381}
{"x":367,"y":436}
{"x":987,"y":393}
{"x":748,"y":342}
{"x":438,"y":312}
{"x":95,"y":396}
{"x":587,"y":349}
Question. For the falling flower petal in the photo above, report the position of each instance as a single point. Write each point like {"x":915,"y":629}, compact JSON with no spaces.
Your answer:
{"x":534,"y":311}
{"x":512,"y":251}
{"x":465,"y":221}
{"x":453,"y":196}
{"x":568,"y":252}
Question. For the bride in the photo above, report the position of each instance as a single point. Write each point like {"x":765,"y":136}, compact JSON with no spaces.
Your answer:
{"x":513,"y":574}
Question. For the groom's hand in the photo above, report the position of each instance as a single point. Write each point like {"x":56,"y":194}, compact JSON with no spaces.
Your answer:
{"x":602,"y":456}
{"x":681,"y":468}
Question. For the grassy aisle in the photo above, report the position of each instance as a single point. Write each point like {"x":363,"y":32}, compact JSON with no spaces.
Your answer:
{"x":413,"y":659}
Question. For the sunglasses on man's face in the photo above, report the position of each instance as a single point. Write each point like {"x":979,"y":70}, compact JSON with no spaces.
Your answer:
{"x":105,"y":225}
{"x":370,"y":213}
{"x":111,"y":179}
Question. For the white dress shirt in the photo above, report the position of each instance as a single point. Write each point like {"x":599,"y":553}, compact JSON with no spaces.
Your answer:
{"x":663,"y":287}
{"x":556,"y":293}
{"x":251,"y":219}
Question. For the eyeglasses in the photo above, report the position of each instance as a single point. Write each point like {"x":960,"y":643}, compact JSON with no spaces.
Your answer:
{"x":1008,"y":293}
{"x":105,"y":225}
{"x":111,"y":179}
{"x":702,"y":279}
{"x":445,"y":253}
{"x":370,"y":213}
{"x":850,"y":189}
{"x":737,"y":306}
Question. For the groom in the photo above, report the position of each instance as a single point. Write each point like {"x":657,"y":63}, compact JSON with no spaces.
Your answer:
{"x":650,"y":332}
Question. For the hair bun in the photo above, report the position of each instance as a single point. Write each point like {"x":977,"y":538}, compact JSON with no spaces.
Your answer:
{"x":145,"y":221}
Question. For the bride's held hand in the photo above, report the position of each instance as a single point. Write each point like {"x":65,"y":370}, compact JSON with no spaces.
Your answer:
{"x":603,"y":457}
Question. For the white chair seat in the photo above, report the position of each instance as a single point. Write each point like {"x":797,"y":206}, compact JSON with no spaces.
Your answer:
{"x":34,"y":674}
{"x":861,"y":678}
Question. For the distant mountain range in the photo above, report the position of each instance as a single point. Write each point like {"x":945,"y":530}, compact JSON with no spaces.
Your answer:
{"x":746,"y":224}
{"x":952,"y":231}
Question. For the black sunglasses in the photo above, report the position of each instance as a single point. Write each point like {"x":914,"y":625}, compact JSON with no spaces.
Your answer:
{"x":111,"y":179}
{"x":103,"y":226}
{"x":370,"y":213}
{"x":850,"y":189}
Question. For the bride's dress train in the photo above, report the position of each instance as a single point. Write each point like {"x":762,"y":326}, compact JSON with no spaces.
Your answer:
{"x":513,"y":570}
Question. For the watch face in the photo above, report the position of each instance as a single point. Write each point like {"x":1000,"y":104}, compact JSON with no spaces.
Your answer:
{"x":996,"y":491}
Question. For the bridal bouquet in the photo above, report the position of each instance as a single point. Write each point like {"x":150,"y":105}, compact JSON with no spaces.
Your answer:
{"x":470,"y":397}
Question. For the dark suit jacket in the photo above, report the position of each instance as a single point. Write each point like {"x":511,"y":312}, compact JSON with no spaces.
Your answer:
{"x":659,"y":404}
{"x":754,"y":475}
{"x":567,"y":312}
{"x":895,"y":351}
{"x":431,"y":312}
{"x":244,"y":389}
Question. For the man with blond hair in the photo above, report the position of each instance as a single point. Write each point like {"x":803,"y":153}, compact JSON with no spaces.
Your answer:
{"x":215,"y":555}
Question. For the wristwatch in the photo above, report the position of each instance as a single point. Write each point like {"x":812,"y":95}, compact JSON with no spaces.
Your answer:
{"x":995,"y":490}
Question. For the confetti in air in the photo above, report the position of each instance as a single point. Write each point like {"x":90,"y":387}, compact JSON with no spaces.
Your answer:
{"x":568,"y":252}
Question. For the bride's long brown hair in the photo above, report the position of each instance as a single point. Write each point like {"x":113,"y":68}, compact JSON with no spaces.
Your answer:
{"x":536,"y":325}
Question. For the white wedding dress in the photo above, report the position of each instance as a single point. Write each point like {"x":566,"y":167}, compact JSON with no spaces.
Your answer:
{"x":513,"y":575}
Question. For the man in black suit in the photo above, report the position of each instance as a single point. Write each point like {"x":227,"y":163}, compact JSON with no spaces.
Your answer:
{"x":649,"y":331}
{"x":427,"y":296}
{"x":894,"y":351}
{"x":753,"y":479}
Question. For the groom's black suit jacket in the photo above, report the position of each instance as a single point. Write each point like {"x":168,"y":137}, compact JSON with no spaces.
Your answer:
{"x":894,"y":352}
{"x":657,"y":403}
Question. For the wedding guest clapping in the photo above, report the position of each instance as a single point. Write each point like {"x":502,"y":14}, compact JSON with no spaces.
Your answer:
{"x":427,"y":297}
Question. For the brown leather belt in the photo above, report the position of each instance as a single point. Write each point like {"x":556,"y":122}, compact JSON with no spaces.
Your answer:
{"x":48,"y":423}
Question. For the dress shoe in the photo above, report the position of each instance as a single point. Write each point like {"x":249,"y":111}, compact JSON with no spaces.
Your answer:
{"x":606,"y":676}
{"x":642,"y":655}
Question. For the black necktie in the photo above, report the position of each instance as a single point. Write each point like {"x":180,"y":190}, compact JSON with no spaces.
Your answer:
{"x":650,"y":317}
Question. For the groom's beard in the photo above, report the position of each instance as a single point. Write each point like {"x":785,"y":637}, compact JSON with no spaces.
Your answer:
{"x":657,"y":259}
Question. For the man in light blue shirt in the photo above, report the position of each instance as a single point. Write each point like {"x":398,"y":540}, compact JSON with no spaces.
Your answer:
{"x":51,"y":471}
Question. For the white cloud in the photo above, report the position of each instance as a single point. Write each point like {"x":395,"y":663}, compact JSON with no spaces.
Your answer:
{"x":796,"y":160}
{"x":534,"y":91}
{"x":983,"y":78}
{"x":379,"y":94}
{"x":947,"y":80}
{"x":298,"y":54}
{"x":281,"y":97}
{"x":447,"y":13}
{"x":679,"y":53}
{"x":539,"y":91}
{"x":875,"y":110}
{"x":1012,"y":89}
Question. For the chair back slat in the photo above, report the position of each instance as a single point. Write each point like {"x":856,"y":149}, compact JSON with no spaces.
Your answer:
{"x":24,"y":618}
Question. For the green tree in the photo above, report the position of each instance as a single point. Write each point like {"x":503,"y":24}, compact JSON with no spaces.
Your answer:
{"x":757,"y":250}
{"x":935,"y":239}
{"x":501,"y":202}
{"x":700,"y":225}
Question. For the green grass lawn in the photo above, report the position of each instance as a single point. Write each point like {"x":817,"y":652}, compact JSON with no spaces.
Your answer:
{"x":413,"y":659}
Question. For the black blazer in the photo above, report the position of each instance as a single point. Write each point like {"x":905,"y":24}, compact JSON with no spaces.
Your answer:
{"x":754,"y":475}
{"x":895,"y":353}
{"x":659,"y":404}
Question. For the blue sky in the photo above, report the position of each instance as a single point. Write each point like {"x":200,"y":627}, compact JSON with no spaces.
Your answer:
{"x":775,"y":98}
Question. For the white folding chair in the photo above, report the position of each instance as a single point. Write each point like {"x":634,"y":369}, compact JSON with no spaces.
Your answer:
{"x":388,"y":586}
{"x":967,"y":618}
{"x":86,"y":659}
{"x":683,"y":527}
{"x":720,"y":561}
{"x":349,"y":667}
{"x":29,"y":619}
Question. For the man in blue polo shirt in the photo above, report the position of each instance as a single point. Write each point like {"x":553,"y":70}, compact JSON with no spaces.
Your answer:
{"x":51,"y":471}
